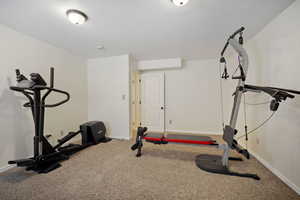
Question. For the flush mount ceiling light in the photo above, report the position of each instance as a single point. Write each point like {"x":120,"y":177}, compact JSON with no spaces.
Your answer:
{"x":180,"y":2}
{"x":76,"y":16}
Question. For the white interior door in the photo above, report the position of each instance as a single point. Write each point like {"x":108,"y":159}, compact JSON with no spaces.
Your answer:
{"x":153,"y":101}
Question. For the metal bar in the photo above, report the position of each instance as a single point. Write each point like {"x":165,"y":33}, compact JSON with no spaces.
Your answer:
{"x":239,"y":89}
{"x":36,"y":108}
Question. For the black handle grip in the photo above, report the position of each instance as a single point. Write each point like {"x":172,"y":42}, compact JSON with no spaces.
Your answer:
{"x":236,"y":77}
{"x":237,"y":32}
{"x":51,"y":77}
{"x":134,"y":147}
{"x":141,"y":131}
{"x":18,"y":72}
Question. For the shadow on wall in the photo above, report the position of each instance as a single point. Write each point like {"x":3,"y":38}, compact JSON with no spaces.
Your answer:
{"x":284,"y":122}
{"x":295,"y":103}
{"x":16,"y":127}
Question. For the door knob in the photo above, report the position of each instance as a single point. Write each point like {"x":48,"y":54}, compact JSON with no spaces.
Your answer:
{"x":162,"y":108}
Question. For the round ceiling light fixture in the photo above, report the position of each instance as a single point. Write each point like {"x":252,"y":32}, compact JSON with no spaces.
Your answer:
{"x":180,"y":3}
{"x":76,"y":16}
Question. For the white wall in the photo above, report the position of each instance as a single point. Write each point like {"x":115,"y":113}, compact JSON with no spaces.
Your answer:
{"x":274,"y":61}
{"x":108,"y":94}
{"x":31,"y":55}
{"x":192,"y":97}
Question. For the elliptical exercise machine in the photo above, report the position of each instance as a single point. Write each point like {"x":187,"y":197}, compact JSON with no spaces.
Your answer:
{"x":47,"y":157}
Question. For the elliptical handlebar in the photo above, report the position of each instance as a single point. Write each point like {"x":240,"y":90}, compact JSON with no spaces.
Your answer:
{"x":55,"y":90}
{"x":50,"y":89}
{"x":32,"y":86}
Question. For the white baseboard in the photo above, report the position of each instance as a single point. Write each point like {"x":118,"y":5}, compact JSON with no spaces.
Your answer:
{"x":277,"y":173}
{"x":121,"y":138}
{"x":5,"y":168}
{"x":194,"y":132}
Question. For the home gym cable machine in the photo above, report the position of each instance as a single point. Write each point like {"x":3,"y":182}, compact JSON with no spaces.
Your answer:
{"x":215,"y":163}
{"x":47,"y":157}
{"x":219,"y":164}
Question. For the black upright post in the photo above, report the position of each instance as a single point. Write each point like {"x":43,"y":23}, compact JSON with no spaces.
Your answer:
{"x":41,"y":127}
{"x":37,"y":106}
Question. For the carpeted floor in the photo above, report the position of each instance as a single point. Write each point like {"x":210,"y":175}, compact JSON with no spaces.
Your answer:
{"x":111,"y":171}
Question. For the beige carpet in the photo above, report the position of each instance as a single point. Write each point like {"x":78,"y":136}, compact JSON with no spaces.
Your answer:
{"x":111,"y":171}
